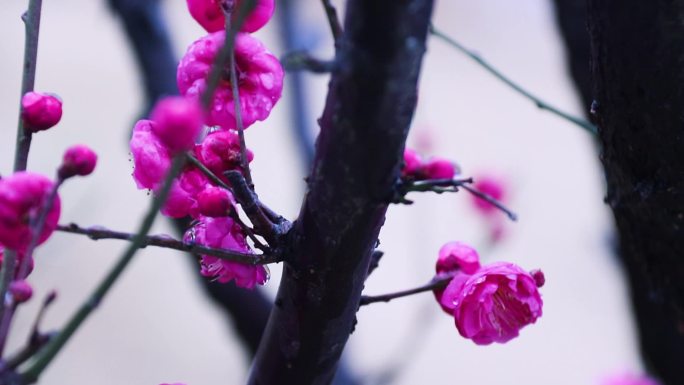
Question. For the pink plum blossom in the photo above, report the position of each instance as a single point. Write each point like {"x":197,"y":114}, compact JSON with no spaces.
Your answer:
{"x":22,"y":196}
{"x":630,"y":379}
{"x":182,"y":199}
{"x":412,"y":163}
{"x":225,"y":234}
{"x":178,"y":121}
{"x":151,"y":159}
{"x":21,"y":290}
{"x":77,"y":160}
{"x":40,"y":111}
{"x":208,"y":14}
{"x":259,"y":72}
{"x":220,"y":152}
{"x":439,"y":168}
{"x":492,"y":186}
{"x":496,"y":302}
{"x":215,"y":202}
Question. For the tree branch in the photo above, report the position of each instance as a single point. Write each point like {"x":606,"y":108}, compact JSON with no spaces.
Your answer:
{"x":537,"y":101}
{"x":333,"y":20}
{"x":371,"y":100}
{"x":32,"y":22}
{"x":437,"y":283}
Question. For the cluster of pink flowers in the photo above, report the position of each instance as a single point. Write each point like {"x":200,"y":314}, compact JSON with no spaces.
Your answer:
{"x":489,"y":303}
{"x":176,"y":124}
{"x":417,"y":168}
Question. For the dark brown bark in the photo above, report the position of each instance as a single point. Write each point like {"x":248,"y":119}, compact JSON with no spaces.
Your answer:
{"x":371,"y":100}
{"x":637,"y":53}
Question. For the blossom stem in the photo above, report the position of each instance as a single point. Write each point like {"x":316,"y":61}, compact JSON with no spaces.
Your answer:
{"x":333,"y":20}
{"x":50,"y":351}
{"x":586,"y":125}
{"x":32,"y":23}
{"x":437,"y":283}
{"x":9,"y":263}
{"x":164,"y":241}
{"x":511,"y":215}
{"x":303,"y":61}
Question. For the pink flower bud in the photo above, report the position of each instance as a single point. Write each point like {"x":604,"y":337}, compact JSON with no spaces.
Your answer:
{"x":178,"y":121}
{"x":21,"y":291}
{"x":412,"y":163}
{"x":496,"y":302}
{"x":260,"y":79}
{"x":539,"y":278}
{"x":182,"y":200}
{"x":208,"y":14}
{"x":225,"y":234}
{"x":439,"y":168}
{"x":78,"y":160}
{"x":215,"y":202}
{"x":491,"y":186}
{"x":22,"y":196}
{"x":40,"y":111}
{"x":151,"y":159}
{"x":457,"y":256}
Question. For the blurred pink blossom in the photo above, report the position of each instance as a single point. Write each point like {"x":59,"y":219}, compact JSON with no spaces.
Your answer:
{"x":208,"y":14}
{"x":630,"y":379}
{"x":178,"y":121}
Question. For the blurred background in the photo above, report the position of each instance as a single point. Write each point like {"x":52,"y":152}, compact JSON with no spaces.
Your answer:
{"x":158,"y":325}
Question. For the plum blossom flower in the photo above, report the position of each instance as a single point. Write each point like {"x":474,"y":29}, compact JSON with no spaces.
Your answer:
{"x":439,"y":168}
{"x":178,"y":121}
{"x":208,"y":14}
{"x":182,"y":199}
{"x":412,"y":163}
{"x":630,"y":379}
{"x":21,"y":290}
{"x":220,"y":152}
{"x":151,"y":158}
{"x":260,"y":78}
{"x":22,"y":196}
{"x":40,"y":111}
{"x":225,"y":234}
{"x":78,"y":160}
{"x":497,"y":301}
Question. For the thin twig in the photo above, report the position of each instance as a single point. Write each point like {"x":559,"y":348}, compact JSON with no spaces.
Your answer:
{"x":9,"y":264}
{"x":511,"y":215}
{"x":32,"y":23}
{"x":50,"y":351}
{"x":437,"y":283}
{"x":333,"y":20}
{"x":303,"y":61}
{"x":165,"y":241}
{"x":537,"y":101}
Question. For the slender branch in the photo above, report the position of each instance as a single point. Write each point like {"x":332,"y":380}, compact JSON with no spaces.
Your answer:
{"x":437,"y":283}
{"x":333,"y":20}
{"x":511,"y":215}
{"x":540,"y":103}
{"x":9,"y":263}
{"x":47,"y":354}
{"x":165,"y":241}
{"x":244,"y":163}
{"x":431,"y":184}
{"x":303,"y":61}
{"x":32,"y":22}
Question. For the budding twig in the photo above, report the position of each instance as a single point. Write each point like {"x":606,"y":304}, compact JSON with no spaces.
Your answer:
{"x":436,"y":283}
{"x":32,"y":23}
{"x":537,"y":101}
{"x":303,"y":61}
{"x":45,"y":356}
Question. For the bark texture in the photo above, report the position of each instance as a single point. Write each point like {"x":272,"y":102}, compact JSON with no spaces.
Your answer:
{"x":638,"y":72}
{"x":371,"y":100}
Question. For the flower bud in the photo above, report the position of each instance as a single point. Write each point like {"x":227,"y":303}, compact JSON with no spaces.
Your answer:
{"x":178,"y":121}
{"x":21,"y":291}
{"x":78,"y":160}
{"x":439,"y":168}
{"x":215,"y":202}
{"x":412,"y":163}
{"x":40,"y":111}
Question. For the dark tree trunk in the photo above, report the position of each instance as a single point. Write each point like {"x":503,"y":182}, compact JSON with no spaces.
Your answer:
{"x":371,"y":100}
{"x":638,"y":71}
